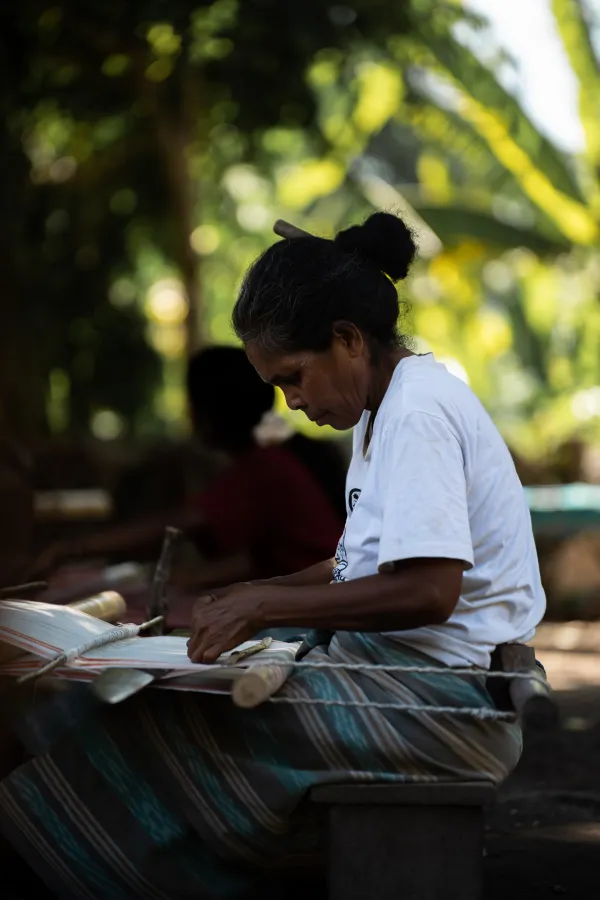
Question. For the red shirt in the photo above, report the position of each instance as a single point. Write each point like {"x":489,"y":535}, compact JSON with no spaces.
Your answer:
{"x":267,"y":501}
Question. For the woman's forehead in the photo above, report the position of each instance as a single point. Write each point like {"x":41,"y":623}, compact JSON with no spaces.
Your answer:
{"x":272,"y":366}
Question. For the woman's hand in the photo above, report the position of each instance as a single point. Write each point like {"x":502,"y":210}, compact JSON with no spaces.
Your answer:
{"x":223,"y":619}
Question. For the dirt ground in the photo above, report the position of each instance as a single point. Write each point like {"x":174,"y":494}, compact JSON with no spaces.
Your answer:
{"x":543,"y":836}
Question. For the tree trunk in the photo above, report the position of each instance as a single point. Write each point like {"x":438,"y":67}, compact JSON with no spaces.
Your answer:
{"x":22,"y":383}
{"x":174,"y":141}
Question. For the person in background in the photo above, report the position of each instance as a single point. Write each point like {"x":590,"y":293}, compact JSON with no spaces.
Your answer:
{"x":272,"y":509}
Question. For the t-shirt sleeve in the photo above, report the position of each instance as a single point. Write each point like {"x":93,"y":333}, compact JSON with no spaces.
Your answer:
{"x":422,"y":481}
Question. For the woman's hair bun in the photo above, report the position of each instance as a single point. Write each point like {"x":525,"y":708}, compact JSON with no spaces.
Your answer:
{"x":385,"y":240}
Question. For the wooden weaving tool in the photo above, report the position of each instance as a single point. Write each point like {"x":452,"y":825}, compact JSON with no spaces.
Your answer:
{"x":20,"y":591}
{"x":236,"y":658}
{"x":158,"y":605}
{"x":116,"y":685}
{"x":258,"y":684}
{"x":118,"y":633}
{"x":530,"y":697}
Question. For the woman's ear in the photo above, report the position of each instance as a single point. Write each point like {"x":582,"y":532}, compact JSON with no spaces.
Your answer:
{"x":350,"y":337}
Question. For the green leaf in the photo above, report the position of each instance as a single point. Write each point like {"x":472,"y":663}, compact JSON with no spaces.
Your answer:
{"x":574,"y":31}
{"x":481,"y":84}
{"x":452,"y":224}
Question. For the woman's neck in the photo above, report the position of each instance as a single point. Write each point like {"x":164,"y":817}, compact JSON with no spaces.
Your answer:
{"x":382,"y":375}
{"x":380,"y":382}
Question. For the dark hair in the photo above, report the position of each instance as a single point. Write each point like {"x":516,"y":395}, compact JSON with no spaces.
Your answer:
{"x":225,"y":390}
{"x":295,"y":292}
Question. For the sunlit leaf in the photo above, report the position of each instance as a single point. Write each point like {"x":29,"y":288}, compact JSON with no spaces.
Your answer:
{"x":455,"y":223}
{"x":300,"y":185}
{"x":159,"y":70}
{"x":163,"y":39}
{"x":434,"y":177}
{"x":574,"y":31}
{"x":487,"y":94}
{"x":574,"y":217}
{"x":115,"y":65}
{"x":379,"y":95}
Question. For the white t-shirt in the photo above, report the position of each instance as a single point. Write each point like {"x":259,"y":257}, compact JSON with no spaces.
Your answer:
{"x":438,"y":481}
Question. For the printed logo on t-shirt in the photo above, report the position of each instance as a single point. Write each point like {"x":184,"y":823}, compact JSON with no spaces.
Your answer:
{"x":341,"y":559}
{"x":353,"y":496}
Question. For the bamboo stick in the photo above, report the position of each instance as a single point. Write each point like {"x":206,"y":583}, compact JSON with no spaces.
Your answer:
{"x":289,"y":231}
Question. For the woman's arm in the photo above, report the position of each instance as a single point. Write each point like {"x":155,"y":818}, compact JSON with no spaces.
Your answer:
{"x":319,"y":574}
{"x":420,"y":592}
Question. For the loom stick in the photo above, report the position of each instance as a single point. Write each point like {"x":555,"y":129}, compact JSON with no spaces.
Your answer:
{"x":119,"y":633}
{"x":258,"y":684}
{"x":20,"y":591}
{"x":157,"y":606}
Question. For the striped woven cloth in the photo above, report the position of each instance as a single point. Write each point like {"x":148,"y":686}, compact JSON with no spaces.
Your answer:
{"x":172,"y":795}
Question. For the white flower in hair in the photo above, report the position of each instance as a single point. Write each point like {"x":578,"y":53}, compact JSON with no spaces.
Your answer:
{"x":272,"y":429}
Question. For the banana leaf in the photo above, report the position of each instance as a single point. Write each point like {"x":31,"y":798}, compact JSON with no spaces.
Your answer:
{"x":455,"y":223}
{"x":480,"y":83}
{"x":573,"y":27}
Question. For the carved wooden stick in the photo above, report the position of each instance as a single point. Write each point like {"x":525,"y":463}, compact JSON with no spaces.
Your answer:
{"x":118,"y":633}
{"x":258,"y":684}
{"x":19,"y":591}
{"x":157,"y":607}
{"x":288,"y":231}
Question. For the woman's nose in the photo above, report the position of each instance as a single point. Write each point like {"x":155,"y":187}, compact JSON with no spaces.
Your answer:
{"x":294,"y":400}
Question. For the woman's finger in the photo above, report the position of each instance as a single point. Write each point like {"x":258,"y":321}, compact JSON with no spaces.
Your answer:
{"x":197,"y":653}
{"x":196,"y":639}
{"x":211,"y":654}
{"x":199,"y":623}
{"x":200,"y":626}
{"x":202,"y":636}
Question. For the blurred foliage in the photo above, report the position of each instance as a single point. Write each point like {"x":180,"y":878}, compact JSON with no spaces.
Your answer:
{"x":119,"y":123}
{"x":146,"y":149}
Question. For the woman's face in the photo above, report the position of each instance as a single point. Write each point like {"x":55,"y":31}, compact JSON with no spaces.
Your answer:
{"x":330,"y":387}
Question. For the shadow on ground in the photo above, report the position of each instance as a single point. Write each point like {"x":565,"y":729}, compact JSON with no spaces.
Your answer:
{"x":543,"y":836}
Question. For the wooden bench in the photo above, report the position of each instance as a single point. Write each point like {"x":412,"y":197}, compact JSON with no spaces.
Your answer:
{"x":426,"y":841}
{"x":406,"y":841}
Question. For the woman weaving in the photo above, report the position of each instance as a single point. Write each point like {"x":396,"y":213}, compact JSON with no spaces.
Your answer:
{"x":175,"y":795}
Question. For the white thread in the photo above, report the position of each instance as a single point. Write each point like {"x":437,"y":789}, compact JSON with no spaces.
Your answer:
{"x":413,"y":670}
{"x":478,"y":713}
{"x":118,"y":633}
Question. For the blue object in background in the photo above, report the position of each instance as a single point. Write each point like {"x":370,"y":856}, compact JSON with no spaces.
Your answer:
{"x":558,"y":510}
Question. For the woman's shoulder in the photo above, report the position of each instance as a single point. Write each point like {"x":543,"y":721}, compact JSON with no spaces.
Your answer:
{"x":423,"y":386}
